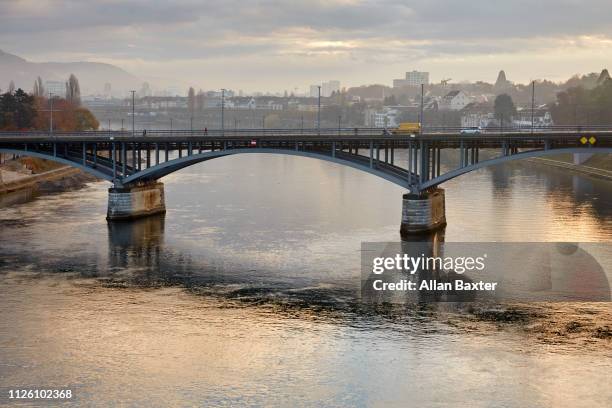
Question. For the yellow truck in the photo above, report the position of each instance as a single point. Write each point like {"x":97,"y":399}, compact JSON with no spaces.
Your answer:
{"x":407,"y":128}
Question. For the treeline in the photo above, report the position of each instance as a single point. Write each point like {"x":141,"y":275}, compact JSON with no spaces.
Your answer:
{"x":20,"y":110}
{"x":582,"y":105}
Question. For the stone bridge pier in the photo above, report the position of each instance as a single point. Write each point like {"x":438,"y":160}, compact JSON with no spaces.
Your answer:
{"x":135,"y":201}
{"x":423,"y":212}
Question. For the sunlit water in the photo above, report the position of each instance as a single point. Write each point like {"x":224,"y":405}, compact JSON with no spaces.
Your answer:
{"x":245,"y":293}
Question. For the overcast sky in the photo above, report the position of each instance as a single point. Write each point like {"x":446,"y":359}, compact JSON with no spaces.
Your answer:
{"x":283,"y":45}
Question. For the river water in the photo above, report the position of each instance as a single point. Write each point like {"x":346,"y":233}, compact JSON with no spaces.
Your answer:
{"x":245,"y":293}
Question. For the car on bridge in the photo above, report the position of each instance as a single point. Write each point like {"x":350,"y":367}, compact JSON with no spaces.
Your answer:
{"x":472,"y":130}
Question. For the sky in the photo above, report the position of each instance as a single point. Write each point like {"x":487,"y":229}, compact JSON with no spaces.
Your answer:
{"x":271,"y":45}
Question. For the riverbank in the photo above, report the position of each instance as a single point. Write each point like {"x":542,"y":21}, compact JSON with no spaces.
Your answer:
{"x":579,"y":168}
{"x":40,"y":176}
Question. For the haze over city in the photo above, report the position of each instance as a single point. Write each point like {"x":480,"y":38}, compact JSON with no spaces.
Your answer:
{"x":276,"y":46}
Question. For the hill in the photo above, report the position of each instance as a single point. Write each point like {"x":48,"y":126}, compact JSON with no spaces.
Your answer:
{"x":92,"y":75}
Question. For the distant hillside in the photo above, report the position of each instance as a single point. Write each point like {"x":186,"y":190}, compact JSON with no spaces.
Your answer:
{"x":92,"y":75}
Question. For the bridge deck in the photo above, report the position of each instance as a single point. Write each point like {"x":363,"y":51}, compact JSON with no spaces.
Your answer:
{"x":121,"y":156}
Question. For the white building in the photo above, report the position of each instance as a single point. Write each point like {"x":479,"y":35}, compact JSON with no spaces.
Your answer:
{"x":454,"y":101}
{"x":57,"y":88}
{"x":314,"y":91}
{"x":477,"y":114}
{"x":328,"y":88}
{"x":388,"y":118}
{"x":414,"y":78}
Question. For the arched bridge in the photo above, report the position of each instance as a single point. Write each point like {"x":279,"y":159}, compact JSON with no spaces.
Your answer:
{"x":131,"y":161}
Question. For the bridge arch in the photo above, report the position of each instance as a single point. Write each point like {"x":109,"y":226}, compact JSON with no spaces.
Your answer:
{"x":94,"y":172}
{"x":163,"y":169}
{"x":503,"y":159}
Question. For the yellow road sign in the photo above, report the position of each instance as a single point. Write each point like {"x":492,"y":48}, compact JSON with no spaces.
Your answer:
{"x":583,"y":140}
{"x":592,"y":140}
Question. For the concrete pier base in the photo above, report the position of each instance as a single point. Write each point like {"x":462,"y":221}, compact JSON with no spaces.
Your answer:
{"x":141,"y":200}
{"x":423,"y":213}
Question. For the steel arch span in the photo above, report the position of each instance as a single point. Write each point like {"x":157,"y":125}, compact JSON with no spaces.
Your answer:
{"x":504,"y":159}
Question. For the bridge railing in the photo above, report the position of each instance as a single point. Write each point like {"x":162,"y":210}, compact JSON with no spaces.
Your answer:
{"x":281,"y":132}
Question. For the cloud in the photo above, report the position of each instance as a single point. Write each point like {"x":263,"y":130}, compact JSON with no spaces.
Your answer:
{"x":334,"y":34}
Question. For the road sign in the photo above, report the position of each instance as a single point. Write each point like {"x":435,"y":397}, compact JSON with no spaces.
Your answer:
{"x":591,"y":140}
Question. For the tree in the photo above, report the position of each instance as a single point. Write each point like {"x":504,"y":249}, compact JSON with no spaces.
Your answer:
{"x":73,"y":91}
{"x":501,"y":82}
{"x":504,"y":107}
{"x":85,"y":120}
{"x":17,"y":110}
{"x":191,"y":100}
{"x":199,"y":102}
{"x":603,"y":77}
{"x":39,"y":89}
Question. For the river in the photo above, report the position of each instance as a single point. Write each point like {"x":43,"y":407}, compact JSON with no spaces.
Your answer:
{"x":244,"y":293}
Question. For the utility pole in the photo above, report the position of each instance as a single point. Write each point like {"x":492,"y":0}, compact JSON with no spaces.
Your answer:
{"x":133,"y":113}
{"x":223,"y":111}
{"x":532,"y":104}
{"x":170,"y":127}
{"x":51,"y":110}
{"x":50,"y":113}
{"x":339,"y":122}
{"x":319,"y":110}
{"x":191,"y":124}
{"x":422,"y":102}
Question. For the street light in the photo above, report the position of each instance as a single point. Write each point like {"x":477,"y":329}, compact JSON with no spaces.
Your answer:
{"x":133,"y":113}
{"x":532,"y":104}
{"x":50,"y":113}
{"x":222,"y":111}
{"x":422,"y":102}
{"x":319,"y":110}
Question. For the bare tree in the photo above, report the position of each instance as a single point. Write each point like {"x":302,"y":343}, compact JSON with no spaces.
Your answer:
{"x":73,"y":91}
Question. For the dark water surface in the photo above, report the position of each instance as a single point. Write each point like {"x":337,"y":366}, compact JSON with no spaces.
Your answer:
{"x":245,"y":293}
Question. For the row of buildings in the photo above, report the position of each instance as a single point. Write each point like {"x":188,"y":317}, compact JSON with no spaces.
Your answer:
{"x":456,"y":108}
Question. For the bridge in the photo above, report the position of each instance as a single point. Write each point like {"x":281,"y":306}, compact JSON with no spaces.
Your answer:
{"x":134,"y":162}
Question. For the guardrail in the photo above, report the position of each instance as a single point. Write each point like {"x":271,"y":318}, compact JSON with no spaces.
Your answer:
{"x":358,"y":131}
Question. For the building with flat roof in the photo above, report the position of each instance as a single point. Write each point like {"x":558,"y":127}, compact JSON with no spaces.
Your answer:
{"x":56,"y":88}
{"x":413,"y":78}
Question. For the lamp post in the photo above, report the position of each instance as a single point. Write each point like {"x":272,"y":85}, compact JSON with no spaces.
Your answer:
{"x":319,"y":110}
{"x":223,"y":111}
{"x":50,"y":113}
{"x":532,"y":104}
{"x":422,"y":102}
{"x":133,"y":114}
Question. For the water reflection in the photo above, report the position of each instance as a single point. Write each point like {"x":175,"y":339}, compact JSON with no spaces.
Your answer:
{"x":423,"y":268}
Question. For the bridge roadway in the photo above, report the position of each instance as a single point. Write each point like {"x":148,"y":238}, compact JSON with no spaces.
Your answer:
{"x":135,"y":160}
